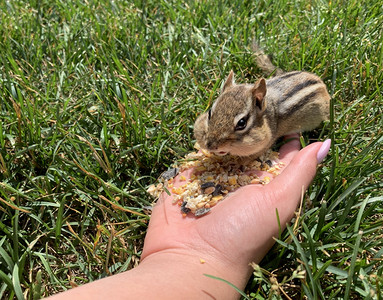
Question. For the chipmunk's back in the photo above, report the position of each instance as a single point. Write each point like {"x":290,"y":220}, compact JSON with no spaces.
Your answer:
{"x":300,"y":100}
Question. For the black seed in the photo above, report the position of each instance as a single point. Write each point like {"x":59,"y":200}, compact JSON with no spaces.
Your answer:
{"x":184,"y":209}
{"x":218,"y":190}
{"x":171,"y":173}
{"x":207,"y":184}
{"x":202,"y":211}
{"x":269,"y":162}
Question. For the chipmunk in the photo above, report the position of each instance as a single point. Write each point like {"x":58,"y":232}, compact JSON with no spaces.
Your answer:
{"x":247,"y":119}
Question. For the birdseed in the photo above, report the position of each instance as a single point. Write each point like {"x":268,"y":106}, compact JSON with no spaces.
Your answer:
{"x":213,"y":177}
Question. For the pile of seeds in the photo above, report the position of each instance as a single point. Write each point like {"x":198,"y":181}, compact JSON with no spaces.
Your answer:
{"x":213,"y":177}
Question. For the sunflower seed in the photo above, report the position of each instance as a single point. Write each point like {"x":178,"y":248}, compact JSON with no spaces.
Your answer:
{"x":202,"y":211}
{"x":171,"y":173}
{"x":218,"y":190}
{"x":207,"y":185}
{"x":184,"y":209}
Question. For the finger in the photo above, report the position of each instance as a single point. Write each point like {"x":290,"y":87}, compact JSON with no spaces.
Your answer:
{"x":290,"y":149}
{"x":286,"y":153}
{"x":294,"y":180}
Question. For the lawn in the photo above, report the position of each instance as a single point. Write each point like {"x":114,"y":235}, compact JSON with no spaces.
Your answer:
{"x":99,"y":97}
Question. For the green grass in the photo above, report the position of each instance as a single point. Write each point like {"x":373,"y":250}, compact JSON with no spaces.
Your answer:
{"x":99,"y":97}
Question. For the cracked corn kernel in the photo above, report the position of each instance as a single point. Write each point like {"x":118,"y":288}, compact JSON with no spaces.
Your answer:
{"x":178,"y":191}
{"x":217,"y":198}
{"x":206,"y":153}
{"x":232,"y":180}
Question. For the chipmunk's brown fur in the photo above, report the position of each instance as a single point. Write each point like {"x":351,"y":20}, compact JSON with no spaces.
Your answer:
{"x":246,"y":119}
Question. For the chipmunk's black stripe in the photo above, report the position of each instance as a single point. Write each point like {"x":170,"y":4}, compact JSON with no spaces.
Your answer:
{"x":298,"y":88}
{"x":300,"y":104}
{"x":278,"y":79}
{"x":290,"y":74}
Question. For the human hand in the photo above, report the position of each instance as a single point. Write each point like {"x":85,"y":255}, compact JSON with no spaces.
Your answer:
{"x":239,"y":229}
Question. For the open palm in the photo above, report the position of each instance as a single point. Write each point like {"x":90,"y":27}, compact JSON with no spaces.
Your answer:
{"x":240,"y":228}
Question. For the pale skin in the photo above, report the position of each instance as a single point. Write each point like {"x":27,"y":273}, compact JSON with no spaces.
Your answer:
{"x":179,"y":250}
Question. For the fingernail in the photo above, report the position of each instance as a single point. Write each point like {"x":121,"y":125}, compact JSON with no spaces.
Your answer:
{"x":323,"y":150}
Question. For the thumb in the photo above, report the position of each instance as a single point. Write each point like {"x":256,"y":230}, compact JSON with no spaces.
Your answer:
{"x":287,"y":187}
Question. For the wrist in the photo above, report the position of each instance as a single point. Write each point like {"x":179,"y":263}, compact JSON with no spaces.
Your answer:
{"x":184,"y":273}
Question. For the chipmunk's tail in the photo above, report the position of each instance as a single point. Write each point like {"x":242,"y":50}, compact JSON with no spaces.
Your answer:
{"x":264,"y":61}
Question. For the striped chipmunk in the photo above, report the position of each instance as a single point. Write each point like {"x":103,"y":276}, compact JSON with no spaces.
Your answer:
{"x":247,"y":119}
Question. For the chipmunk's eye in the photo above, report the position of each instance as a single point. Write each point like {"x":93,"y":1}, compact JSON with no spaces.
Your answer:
{"x":242,"y":123}
{"x":209,"y":114}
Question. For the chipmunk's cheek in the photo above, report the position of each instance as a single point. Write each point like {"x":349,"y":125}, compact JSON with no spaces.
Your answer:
{"x":247,"y":140}
{"x":241,"y":149}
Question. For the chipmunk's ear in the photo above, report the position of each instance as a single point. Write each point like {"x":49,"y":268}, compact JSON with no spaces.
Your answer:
{"x":258,"y":93}
{"x":229,"y":81}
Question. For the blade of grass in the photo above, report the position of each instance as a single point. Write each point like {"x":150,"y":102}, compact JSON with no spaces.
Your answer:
{"x":5,"y":278}
{"x":313,"y":293}
{"x":351,"y":272}
{"x":230,"y":284}
{"x":16,"y":283}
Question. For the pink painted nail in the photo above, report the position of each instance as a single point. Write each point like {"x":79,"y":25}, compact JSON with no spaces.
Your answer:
{"x":323,"y":150}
